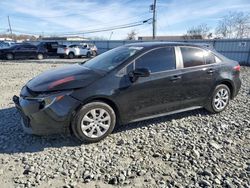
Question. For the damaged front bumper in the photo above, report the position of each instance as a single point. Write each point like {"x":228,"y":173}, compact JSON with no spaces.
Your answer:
{"x":46,"y":115}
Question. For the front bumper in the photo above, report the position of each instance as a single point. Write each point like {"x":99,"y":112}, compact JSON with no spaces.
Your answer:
{"x":44,"y":120}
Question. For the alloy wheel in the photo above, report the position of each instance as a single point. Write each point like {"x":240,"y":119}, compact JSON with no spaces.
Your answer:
{"x":40,"y":56}
{"x":95,"y":123}
{"x":9,"y":56}
{"x":221,"y":99}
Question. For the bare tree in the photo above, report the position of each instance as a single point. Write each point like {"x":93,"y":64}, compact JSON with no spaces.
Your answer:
{"x":198,"y":32}
{"x":234,"y":25}
{"x":131,"y":35}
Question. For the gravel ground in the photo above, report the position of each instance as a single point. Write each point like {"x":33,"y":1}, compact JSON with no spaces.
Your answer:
{"x":192,"y":149}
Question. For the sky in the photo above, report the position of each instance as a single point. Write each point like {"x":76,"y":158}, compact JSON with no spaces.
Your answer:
{"x":58,"y":17}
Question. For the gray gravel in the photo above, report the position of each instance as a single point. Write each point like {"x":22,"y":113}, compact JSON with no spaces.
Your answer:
{"x":192,"y":149}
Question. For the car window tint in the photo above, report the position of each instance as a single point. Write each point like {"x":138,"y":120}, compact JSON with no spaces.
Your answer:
{"x":192,"y":57}
{"x":27,"y":47}
{"x":157,"y":60}
{"x":209,"y":57}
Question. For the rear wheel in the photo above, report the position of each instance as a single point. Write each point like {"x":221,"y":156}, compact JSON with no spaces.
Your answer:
{"x":9,"y":56}
{"x":219,"y":100}
{"x":88,"y":55}
{"x":71,"y":55}
{"x":40,"y":56}
{"x":94,"y":121}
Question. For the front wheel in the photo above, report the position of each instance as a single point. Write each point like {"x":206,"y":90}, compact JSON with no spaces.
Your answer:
{"x":94,"y":53}
{"x":40,"y":56}
{"x":9,"y":56}
{"x":93,"y":122}
{"x":219,"y":100}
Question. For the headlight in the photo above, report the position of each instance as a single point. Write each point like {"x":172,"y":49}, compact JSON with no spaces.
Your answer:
{"x":49,"y":98}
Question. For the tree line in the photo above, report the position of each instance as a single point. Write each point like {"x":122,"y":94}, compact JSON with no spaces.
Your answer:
{"x":234,"y":25}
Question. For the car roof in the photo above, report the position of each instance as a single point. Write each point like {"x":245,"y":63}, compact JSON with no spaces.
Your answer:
{"x":160,"y":44}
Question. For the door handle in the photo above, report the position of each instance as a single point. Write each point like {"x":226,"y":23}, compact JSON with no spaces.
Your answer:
{"x":210,"y":71}
{"x":175,"y":77}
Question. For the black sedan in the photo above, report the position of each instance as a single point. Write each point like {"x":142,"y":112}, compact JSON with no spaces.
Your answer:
{"x":127,"y":84}
{"x":23,"y":51}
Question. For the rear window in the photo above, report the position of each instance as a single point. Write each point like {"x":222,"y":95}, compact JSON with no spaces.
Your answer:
{"x":73,"y":46}
{"x":209,"y":57}
{"x":192,"y":57}
{"x":62,"y":46}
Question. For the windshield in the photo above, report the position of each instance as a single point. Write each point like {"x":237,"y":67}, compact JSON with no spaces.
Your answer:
{"x":111,"y":59}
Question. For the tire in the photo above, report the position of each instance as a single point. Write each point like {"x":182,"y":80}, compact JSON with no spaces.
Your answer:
{"x":94,"y":53}
{"x":71,"y":55}
{"x":219,"y":99}
{"x":88,"y":55}
{"x":9,"y":56}
{"x":89,"y":127}
{"x":40,"y":56}
{"x":61,"y":56}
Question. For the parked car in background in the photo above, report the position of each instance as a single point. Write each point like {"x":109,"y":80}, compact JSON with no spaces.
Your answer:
{"x":127,"y":84}
{"x":6,"y":44}
{"x":93,"y":48}
{"x":51,"y":47}
{"x":23,"y":51}
{"x":73,"y":51}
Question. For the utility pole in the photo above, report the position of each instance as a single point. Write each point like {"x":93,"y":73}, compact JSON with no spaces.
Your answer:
{"x":154,"y":19}
{"x":110,"y":35}
{"x":10,"y":26}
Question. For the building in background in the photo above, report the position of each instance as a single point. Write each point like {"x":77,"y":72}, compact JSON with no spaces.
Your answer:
{"x":70,"y":38}
{"x":5,"y":39}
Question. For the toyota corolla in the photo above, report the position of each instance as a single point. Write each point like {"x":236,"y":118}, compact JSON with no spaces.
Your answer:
{"x":127,"y":84}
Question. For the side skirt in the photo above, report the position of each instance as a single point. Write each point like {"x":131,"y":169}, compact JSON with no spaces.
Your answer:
{"x":168,"y":113}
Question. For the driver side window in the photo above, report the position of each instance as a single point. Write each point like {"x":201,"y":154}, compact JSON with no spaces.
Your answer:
{"x":157,"y":60}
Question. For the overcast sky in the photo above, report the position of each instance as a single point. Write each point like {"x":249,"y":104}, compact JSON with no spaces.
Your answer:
{"x":174,"y":17}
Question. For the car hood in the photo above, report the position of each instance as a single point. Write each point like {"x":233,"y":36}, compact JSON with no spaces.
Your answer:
{"x":64,"y":78}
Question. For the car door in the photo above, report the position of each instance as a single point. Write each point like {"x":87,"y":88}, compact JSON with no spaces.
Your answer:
{"x":25,"y":51}
{"x":83,"y":50}
{"x":198,"y":76}
{"x":158,"y":93}
{"x":18,"y":52}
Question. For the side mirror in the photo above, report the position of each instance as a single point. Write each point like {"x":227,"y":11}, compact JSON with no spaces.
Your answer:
{"x":139,"y":72}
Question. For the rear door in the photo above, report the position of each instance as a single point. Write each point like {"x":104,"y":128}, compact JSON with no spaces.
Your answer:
{"x":198,"y":75}
{"x":158,"y":93}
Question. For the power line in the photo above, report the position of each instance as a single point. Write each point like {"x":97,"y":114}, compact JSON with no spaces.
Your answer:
{"x":88,"y":26}
{"x":133,"y":24}
{"x":123,"y":26}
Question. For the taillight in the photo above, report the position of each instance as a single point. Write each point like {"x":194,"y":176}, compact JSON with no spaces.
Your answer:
{"x":237,"y":68}
{"x":61,"y":81}
{"x":65,"y":49}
